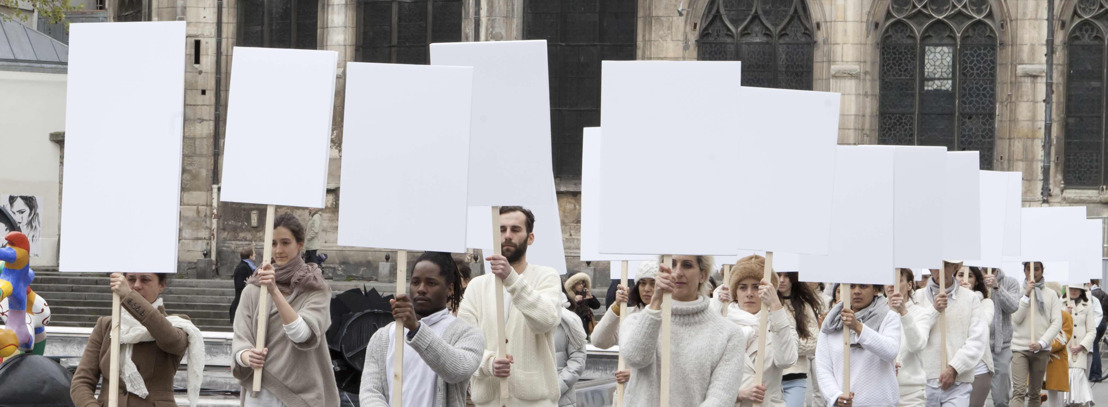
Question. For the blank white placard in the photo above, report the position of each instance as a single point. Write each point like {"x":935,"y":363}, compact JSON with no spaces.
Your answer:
{"x":548,"y":249}
{"x":124,"y":124}
{"x":918,"y":212}
{"x":590,"y":195}
{"x":666,"y":143}
{"x":1045,"y":232}
{"x":782,"y":261}
{"x":1058,"y":271}
{"x":403,"y":173}
{"x":786,"y":204}
{"x":962,"y":207}
{"x":994,"y":216}
{"x":862,"y":234}
{"x":615,"y":271}
{"x":278,"y":142}
{"x":1013,"y":202}
{"x":1088,"y":252}
{"x":509,"y":153}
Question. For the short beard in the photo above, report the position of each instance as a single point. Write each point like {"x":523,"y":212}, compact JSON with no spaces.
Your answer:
{"x":517,"y":255}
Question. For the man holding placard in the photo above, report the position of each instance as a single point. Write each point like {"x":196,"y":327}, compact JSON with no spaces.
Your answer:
{"x":1005,"y":293}
{"x":534,"y":294}
{"x":441,"y":352}
{"x":1031,"y":352}
{"x":967,"y":337}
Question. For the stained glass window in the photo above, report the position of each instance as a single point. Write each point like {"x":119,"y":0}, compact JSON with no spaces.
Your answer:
{"x":772,"y":38}
{"x":938,"y":76}
{"x":400,"y":31}
{"x":278,"y":23}
{"x":1084,"y":134}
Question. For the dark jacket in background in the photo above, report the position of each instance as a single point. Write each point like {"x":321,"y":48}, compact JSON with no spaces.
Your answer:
{"x":243,"y":271}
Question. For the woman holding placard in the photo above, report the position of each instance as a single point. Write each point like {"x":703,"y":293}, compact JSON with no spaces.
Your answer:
{"x":974,"y":280}
{"x":803,"y":305}
{"x":706,"y":350}
{"x":751,"y":298}
{"x":296,"y":359}
{"x":152,"y":345}
{"x":1084,"y":333}
{"x":874,"y":345}
{"x":606,"y":333}
{"x":913,"y":337}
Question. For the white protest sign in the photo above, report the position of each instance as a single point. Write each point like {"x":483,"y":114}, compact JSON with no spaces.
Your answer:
{"x":994,"y":216}
{"x":918,"y":214}
{"x":509,"y":151}
{"x":590,"y":209}
{"x":862,"y":220}
{"x":782,"y":261}
{"x":669,"y":140}
{"x":1046,"y":236}
{"x":124,"y":123}
{"x":961,"y":224}
{"x":1012,"y":217}
{"x":279,"y":110}
{"x":632,"y":268}
{"x":786,"y":205}
{"x":402,"y":171}
{"x":1088,"y":252}
{"x":547,"y":250}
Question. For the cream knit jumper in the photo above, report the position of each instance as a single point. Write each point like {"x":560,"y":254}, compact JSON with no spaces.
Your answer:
{"x":1047,"y":325}
{"x":535,"y":297}
{"x":706,"y":354}
{"x":967,"y":334}
{"x":913,"y":337}
{"x":872,"y":365}
{"x":606,"y":332}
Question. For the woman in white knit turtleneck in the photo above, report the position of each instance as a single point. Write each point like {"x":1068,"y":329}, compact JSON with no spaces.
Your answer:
{"x":874,"y":344}
{"x":913,"y":337}
{"x":750,"y":295}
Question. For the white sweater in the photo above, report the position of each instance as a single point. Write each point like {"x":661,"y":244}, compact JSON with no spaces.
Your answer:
{"x":912,"y":340}
{"x":606,"y":332}
{"x":987,"y":309}
{"x":872,"y":365}
{"x":967,"y":334}
{"x":535,"y":297}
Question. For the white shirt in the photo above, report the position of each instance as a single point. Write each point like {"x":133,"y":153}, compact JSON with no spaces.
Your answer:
{"x":419,"y":379}
{"x":1096,"y":308}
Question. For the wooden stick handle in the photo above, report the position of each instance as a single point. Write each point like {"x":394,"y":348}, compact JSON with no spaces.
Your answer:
{"x":113,"y":358}
{"x":263,"y":294}
{"x":896,"y":281}
{"x":943,"y":357}
{"x":844,"y":296}
{"x":1031,"y":314}
{"x":398,"y":352}
{"x":726,"y":282}
{"x":501,"y":330}
{"x":620,"y":364}
{"x":667,"y":328}
{"x":763,"y":324}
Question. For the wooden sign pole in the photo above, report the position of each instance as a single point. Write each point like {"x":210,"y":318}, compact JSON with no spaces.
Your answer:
{"x":501,"y":331}
{"x":896,"y":281}
{"x":844,"y":296}
{"x":398,"y":352}
{"x":263,"y":294}
{"x":113,"y":358}
{"x":622,"y":316}
{"x":942,"y":319}
{"x":763,"y":324}
{"x":726,"y":283}
{"x":667,"y":327}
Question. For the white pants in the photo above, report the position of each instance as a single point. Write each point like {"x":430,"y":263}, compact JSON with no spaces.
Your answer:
{"x":957,"y":395}
{"x":913,"y":398}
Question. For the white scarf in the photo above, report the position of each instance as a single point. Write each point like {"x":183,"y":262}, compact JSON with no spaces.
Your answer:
{"x":419,"y":379}
{"x":131,"y":332}
{"x":748,"y":323}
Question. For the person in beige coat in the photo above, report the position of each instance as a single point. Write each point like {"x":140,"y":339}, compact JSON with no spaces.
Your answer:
{"x":1084,"y":333}
{"x":1030,"y":354}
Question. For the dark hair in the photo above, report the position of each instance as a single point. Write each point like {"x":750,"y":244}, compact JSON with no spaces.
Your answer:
{"x":163,"y":278}
{"x":1036,"y":263}
{"x":290,"y":222}
{"x":1095,"y":281}
{"x":246,"y":252}
{"x":1083,"y":297}
{"x":8,"y":220}
{"x":911,"y":277}
{"x":802,"y":295}
{"x":449,"y":271}
{"x":526,"y":212}
{"x":463,"y":269}
{"x":979,"y":281}
{"x":634,"y":299}
{"x":28,"y":200}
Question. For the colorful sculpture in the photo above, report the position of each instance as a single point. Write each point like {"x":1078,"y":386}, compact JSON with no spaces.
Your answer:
{"x":38,"y":317}
{"x":15,"y":280}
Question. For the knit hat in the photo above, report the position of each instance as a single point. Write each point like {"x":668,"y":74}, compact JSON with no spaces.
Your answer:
{"x":573,"y":280}
{"x":749,"y":267}
{"x":647,"y":269}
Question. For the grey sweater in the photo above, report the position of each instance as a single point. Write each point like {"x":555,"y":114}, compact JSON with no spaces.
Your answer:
{"x":453,"y":357}
{"x":706,"y":355}
{"x":1006,"y":297}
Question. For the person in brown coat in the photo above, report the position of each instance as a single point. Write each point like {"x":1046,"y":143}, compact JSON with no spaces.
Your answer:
{"x":152,"y":345}
{"x":1057,"y":379}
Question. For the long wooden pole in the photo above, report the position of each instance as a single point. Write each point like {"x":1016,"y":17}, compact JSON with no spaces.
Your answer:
{"x":621,"y":364}
{"x":667,"y":327}
{"x":763,"y":325}
{"x":113,"y":358}
{"x":263,"y":294}
{"x":896,"y":281}
{"x":844,"y":296}
{"x":501,"y":331}
{"x":398,"y":352}
{"x":727,"y":283}
{"x":942,"y":319}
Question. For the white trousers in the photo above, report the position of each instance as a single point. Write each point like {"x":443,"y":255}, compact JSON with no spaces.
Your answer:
{"x":957,"y":395}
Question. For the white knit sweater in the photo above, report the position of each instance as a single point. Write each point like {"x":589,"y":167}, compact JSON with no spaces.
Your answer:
{"x":987,"y":309}
{"x":535,"y":297}
{"x":1047,"y":325}
{"x":872,"y":365}
{"x":912,"y":340}
{"x":606,"y":332}
{"x":967,"y":334}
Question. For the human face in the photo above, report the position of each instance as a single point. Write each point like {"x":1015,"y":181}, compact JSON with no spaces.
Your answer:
{"x":1074,"y":293}
{"x":746,"y":294}
{"x":969,"y":281}
{"x":861,"y":296}
{"x":146,"y":284}
{"x":784,"y":284}
{"x":686,"y":278}
{"x":513,"y":233}
{"x":285,"y":246}
{"x":21,"y":212}
{"x":429,"y":289}
{"x":580,"y":286}
{"x":646,"y":289}
{"x":1038,"y":271}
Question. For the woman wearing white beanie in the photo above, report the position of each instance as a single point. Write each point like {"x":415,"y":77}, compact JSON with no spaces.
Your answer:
{"x":606,"y":333}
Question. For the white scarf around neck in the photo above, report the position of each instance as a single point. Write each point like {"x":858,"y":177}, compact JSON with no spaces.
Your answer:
{"x":132,"y":332}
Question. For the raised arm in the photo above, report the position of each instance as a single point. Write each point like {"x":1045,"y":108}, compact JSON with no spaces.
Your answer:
{"x":1055,"y":315}
{"x":454,"y":363}
{"x":606,"y":333}
{"x":884,"y":343}
{"x":638,"y":338}
{"x":783,"y":338}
